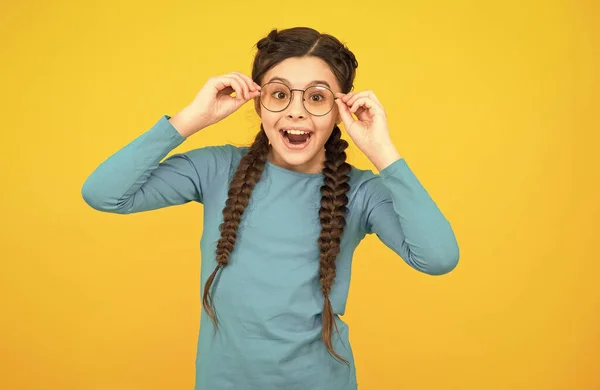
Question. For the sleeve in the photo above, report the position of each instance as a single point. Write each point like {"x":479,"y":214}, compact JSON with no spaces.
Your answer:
{"x":401,"y":213}
{"x":134,"y":180}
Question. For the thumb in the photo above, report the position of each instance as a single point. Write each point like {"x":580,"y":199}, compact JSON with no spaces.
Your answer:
{"x":345,"y":113}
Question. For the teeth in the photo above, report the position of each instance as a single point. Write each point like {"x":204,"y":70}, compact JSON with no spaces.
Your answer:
{"x":296,"y":132}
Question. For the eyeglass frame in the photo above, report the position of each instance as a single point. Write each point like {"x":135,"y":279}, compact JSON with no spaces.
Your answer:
{"x":292,"y":97}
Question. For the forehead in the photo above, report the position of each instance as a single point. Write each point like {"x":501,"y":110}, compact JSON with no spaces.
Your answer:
{"x":301,"y":71}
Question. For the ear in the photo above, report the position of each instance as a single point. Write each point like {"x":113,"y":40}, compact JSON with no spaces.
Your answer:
{"x":338,"y":118}
{"x":257,"y":105}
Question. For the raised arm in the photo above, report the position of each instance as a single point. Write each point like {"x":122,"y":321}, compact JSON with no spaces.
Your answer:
{"x":134,"y":179}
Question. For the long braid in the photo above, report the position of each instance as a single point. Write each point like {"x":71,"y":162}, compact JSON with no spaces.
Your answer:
{"x":332,"y":215}
{"x":245,"y":178}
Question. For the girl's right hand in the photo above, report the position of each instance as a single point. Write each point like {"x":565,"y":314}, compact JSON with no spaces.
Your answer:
{"x":214,"y":103}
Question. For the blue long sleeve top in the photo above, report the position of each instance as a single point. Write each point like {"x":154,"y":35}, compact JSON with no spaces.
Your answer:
{"x":268,"y":298}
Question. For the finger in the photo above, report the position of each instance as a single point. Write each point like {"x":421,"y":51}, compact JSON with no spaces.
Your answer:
{"x":251,"y":84}
{"x":348,"y":96}
{"x":374,"y":98}
{"x":244,"y":85}
{"x":345,"y":114}
{"x":247,"y":84}
{"x":251,"y":81}
{"x":356,"y":96}
{"x":365,"y":102}
{"x":369,"y":94}
{"x":236,"y":84}
{"x":245,"y":94}
{"x":222,"y":84}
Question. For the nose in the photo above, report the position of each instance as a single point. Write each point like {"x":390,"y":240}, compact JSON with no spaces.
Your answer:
{"x":296,"y":108}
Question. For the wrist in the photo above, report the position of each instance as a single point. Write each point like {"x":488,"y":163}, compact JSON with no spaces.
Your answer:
{"x":382,"y":158}
{"x":185,"y":123}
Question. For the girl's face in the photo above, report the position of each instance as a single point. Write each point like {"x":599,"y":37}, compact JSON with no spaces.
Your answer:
{"x":298,"y":73}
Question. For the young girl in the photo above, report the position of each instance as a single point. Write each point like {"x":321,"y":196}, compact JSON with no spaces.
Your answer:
{"x":282,"y":217}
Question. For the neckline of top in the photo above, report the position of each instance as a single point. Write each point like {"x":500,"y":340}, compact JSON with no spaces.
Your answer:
{"x":290,"y":172}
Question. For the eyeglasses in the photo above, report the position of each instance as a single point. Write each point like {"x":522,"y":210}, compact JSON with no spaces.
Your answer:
{"x":317,"y":100}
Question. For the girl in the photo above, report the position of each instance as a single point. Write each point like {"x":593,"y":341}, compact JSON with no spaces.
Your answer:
{"x":283,"y":216}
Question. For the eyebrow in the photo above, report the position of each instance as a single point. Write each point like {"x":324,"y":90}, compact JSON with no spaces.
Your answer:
{"x":314,"y":82}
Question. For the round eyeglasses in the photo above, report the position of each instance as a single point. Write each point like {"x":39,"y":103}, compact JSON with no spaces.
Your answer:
{"x":317,"y":100}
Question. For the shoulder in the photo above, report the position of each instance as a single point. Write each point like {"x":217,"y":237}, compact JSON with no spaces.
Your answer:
{"x":369,"y":187}
{"x":216,"y":155}
{"x":371,"y":181}
{"x":215,"y":162}
{"x":224,"y":152}
{"x":362,"y":180}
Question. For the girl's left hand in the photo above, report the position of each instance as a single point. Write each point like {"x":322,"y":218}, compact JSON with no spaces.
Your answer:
{"x":370,"y":132}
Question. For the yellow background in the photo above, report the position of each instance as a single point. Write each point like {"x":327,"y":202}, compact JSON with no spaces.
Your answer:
{"x":494,"y":106}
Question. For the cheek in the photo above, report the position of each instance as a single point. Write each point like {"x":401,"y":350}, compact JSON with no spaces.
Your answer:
{"x":270,"y":125}
{"x":268,"y":120}
{"x":325,"y":127}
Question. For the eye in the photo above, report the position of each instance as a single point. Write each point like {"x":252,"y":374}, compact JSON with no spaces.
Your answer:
{"x":279,"y":95}
{"x":318,"y":95}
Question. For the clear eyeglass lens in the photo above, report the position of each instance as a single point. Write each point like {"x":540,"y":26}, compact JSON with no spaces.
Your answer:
{"x":317,"y":100}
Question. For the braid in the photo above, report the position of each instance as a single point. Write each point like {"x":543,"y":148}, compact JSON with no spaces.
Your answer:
{"x":245,"y":178}
{"x":332,"y":215}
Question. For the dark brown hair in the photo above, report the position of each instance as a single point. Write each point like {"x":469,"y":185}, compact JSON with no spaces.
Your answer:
{"x":273,"y":49}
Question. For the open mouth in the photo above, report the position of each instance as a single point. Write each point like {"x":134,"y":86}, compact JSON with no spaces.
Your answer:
{"x":296,"y":141}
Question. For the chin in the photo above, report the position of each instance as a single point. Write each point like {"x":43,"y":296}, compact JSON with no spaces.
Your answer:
{"x":297,"y":156}
{"x":294,"y":158}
